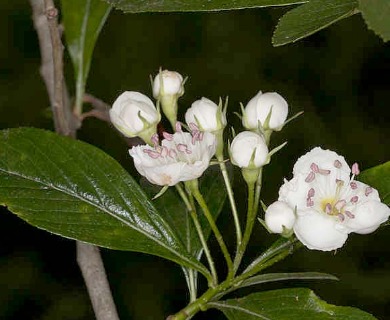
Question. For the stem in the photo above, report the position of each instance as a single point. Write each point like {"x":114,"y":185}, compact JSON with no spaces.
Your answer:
{"x":92,"y":269}
{"x":272,"y":255}
{"x":213,"y":278}
{"x":251,"y":216}
{"x":45,"y":21}
{"x":231,"y":200}
{"x":193,"y":187}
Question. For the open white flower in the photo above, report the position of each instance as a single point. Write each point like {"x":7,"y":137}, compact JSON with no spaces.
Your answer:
{"x":329,"y":203}
{"x":180,"y":157}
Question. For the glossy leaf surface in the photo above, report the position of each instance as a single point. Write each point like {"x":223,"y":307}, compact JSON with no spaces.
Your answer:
{"x":287,"y":304}
{"x":311,"y":17}
{"x":83,"y":21}
{"x":376,"y":13}
{"x":194,"y":5}
{"x":75,"y":190}
{"x":379,"y":178}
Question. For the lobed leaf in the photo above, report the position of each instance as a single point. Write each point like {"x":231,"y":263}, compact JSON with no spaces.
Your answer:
{"x":311,"y":17}
{"x":286,"y":304}
{"x":75,"y":190}
{"x":135,"y":6}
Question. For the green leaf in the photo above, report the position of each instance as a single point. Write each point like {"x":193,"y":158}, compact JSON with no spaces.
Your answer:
{"x":83,"y":21}
{"x":286,"y":304}
{"x":77,"y":191}
{"x":379,"y":178}
{"x":376,"y":14}
{"x":311,"y":17}
{"x":135,"y":6}
{"x":272,"y":277}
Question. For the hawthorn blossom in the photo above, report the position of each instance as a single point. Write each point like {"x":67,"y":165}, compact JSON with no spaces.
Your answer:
{"x":258,"y":109}
{"x":279,"y":217}
{"x":168,"y":86}
{"x":249,"y":150}
{"x":206,"y":115}
{"x":330,"y":203}
{"x":180,"y":157}
{"x":134,"y":114}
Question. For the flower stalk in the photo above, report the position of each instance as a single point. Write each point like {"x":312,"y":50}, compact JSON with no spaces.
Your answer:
{"x":213,"y":278}
{"x":192,"y":185}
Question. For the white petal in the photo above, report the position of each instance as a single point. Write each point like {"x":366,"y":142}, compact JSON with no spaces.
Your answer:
{"x":325,"y":159}
{"x":318,"y":231}
{"x":368,"y":217}
{"x":294,"y":192}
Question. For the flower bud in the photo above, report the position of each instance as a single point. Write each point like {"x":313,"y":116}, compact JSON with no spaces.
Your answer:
{"x":206,"y":115}
{"x":248,"y":150}
{"x":258,"y":110}
{"x":279,"y":217}
{"x":134,"y":114}
{"x":168,"y":86}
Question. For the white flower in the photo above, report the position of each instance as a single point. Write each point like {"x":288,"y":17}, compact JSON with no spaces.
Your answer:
{"x":168,"y":83}
{"x":249,"y":150}
{"x":329,"y":203}
{"x":168,"y":86}
{"x":279,"y":217}
{"x":180,"y":157}
{"x":259,"y":107}
{"x":134,"y":113}
{"x":206,"y":115}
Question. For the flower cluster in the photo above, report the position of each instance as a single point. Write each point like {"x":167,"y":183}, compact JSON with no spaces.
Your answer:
{"x":184,"y":156}
{"x":322,"y":203}
{"x":327,"y":202}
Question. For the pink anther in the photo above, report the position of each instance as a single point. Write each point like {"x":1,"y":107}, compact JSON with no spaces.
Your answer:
{"x":349,"y":214}
{"x":337,"y":164}
{"x":314,"y":168}
{"x":168,"y":136}
{"x":328,"y":208}
{"x":354,"y":199}
{"x":324,"y":172}
{"x":155,"y":139}
{"x":353,"y":185}
{"x":152,"y":153}
{"x":193,"y":126}
{"x":310,"y":177}
{"x":311,"y":193}
{"x":368,"y":191}
{"x":178,"y":127}
{"x":355,"y":169}
{"x":309,"y":202}
{"x":183,"y":148}
{"x":341,"y":217}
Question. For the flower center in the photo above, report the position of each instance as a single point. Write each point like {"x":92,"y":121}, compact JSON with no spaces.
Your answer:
{"x":179,"y":150}
{"x":344,"y":196}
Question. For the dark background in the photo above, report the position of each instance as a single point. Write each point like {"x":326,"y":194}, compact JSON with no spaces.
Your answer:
{"x":339,"y":77}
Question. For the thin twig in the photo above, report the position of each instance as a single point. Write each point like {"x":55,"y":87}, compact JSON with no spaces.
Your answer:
{"x":91,"y":265}
{"x":88,"y":257}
